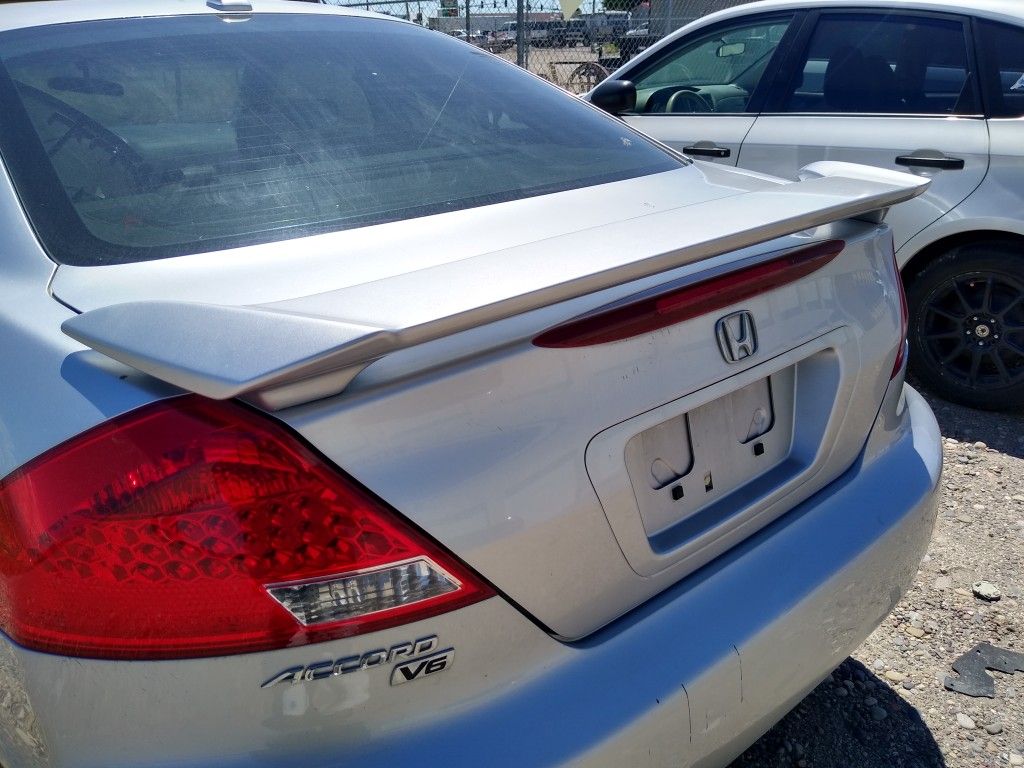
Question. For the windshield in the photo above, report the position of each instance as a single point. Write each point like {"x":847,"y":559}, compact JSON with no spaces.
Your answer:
{"x":148,"y":138}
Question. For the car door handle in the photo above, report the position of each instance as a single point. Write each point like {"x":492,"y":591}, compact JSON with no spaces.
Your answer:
{"x":706,"y":149}
{"x":931,"y":161}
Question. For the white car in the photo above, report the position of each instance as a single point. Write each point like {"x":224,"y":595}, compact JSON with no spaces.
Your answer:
{"x":926,"y":86}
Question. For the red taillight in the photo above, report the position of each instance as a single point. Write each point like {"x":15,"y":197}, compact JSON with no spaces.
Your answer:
{"x":197,"y":528}
{"x":668,"y":308}
{"x":901,"y":349}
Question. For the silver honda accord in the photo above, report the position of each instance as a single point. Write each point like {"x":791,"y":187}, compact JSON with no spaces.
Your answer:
{"x":368,"y":401}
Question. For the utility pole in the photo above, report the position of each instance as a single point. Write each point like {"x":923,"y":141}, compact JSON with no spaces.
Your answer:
{"x":520,"y":33}
{"x":468,"y":30}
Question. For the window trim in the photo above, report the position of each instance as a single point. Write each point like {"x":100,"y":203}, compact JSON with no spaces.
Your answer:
{"x":988,"y":68}
{"x":785,"y":80}
{"x":759,"y":94}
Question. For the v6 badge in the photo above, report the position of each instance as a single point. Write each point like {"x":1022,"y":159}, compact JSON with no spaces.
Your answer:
{"x":420,"y":668}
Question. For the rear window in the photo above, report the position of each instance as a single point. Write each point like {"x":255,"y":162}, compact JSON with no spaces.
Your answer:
{"x":142,"y":139}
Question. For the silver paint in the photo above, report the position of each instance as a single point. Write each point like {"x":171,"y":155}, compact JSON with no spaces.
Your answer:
{"x":481,"y":439}
{"x":323,"y":341}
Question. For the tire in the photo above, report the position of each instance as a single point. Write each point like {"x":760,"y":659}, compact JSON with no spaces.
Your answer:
{"x":966,"y":325}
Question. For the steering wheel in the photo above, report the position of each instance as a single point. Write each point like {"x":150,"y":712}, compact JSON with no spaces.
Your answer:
{"x":687,"y":102}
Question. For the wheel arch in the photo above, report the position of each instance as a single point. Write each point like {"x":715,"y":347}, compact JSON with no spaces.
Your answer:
{"x":932,"y":250}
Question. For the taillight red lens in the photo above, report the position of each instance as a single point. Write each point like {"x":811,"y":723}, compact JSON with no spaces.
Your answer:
{"x":901,"y":349}
{"x":650,"y":313}
{"x":161,"y":533}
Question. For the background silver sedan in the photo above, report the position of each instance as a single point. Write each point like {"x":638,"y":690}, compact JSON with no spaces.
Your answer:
{"x":368,"y":401}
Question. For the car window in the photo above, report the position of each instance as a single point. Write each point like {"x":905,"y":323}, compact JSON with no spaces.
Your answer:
{"x":146,"y":138}
{"x":713,"y":72}
{"x":870,"y":63}
{"x":1002,"y":48}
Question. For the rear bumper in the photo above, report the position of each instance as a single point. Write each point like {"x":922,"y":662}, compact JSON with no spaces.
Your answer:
{"x":690,"y":678}
{"x":699,"y":673}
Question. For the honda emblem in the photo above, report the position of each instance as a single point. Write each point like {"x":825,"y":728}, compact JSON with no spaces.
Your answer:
{"x":737,"y":338}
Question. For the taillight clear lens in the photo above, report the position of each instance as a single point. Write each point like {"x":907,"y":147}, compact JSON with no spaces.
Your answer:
{"x":197,"y":528}
{"x":349,"y":595}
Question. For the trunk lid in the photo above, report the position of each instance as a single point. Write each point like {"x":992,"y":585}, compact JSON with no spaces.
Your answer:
{"x":581,"y":480}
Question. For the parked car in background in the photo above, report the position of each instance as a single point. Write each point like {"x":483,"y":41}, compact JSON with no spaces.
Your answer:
{"x":298,"y":468}
{"x":577,"y":32}
{"x":611,"y":25}
{"x":536,"y":33}
{"x":478,"y":37}
{"x":505,"y":37}
{"x":635,"y":41}
{"x":548,"y":34}
{"x":932,"y":87}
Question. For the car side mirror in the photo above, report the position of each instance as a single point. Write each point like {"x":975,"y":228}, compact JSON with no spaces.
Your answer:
{"x":615,"y":96}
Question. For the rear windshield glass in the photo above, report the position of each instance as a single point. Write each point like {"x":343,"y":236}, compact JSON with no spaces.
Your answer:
{"x":147,"y":138}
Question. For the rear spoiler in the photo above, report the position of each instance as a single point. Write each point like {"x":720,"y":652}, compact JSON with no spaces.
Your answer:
{"x":286,"y":353}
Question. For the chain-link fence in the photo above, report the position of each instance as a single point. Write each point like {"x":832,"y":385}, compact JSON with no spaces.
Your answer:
{"x":575,"y":52}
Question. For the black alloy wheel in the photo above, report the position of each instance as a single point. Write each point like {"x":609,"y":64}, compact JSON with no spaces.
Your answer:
{"x":967,"y":326}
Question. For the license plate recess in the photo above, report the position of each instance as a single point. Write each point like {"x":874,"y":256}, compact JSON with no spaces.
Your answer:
{"x":684,"y":465}
{"x":684,"y":481}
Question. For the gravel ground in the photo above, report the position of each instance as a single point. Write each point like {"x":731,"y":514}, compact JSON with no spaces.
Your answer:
{"x":886,"y":706}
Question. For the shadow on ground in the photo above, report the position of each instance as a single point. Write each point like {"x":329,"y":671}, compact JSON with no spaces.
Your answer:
{"x":1003,"y":431}
{"x":852,"y":720}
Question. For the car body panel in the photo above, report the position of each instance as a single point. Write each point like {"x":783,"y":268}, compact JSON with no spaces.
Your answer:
{"x":995,"y":206}
{"x":49,"y":367}
{"x":488,"y":454}
{"x":480,"y":439}
{"x":699,"y":688}
{"x":781,"y":144}
{"x":679,"y":132}
{"x":457,"y":445}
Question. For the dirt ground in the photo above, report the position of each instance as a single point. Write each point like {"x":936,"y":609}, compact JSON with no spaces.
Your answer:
{"x":886,"y":706}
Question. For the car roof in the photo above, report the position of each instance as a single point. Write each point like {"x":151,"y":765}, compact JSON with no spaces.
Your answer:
{"x":39,"y":13}
{"x":1001,"y":10}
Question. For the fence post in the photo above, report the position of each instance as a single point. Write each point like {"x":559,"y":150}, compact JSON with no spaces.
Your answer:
{"x":520,"y":33}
